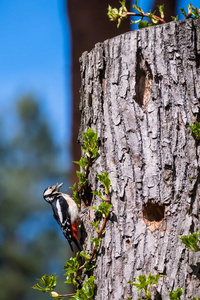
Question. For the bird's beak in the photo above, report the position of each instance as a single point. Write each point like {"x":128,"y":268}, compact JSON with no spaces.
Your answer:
{"x":59,"y":186}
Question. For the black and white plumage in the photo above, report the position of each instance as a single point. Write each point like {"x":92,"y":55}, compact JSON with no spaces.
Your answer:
{"x":65,"y":211}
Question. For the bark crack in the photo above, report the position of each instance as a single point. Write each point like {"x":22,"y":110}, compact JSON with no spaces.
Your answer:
{"x":144,"y":79}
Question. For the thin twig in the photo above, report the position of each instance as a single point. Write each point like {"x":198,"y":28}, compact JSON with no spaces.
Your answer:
{"x":144,"y":15}
{"x":188,"y":16}
{"x":66,"y":295}
{"x":99,"y":235}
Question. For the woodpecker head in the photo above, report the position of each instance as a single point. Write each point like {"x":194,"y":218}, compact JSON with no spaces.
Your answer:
{"x":50,"y":193}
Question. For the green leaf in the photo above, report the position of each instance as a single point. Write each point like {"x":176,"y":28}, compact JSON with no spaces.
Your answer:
{"x":69,"y":279}
{"x":105,"y":181}
{"x":119,"y":22}
{"x":83,"y":162}
{"x":84,"y":255}
{"x":137,"y":21}
{"x":71,"y":266}
{"x":139,"y":9}
{"x":89,"y":267}
{"x":95,"y":225}
{"x":174,"y":18}
{"x":96,"y":241}
{"x":103,"y":208}
{"x":191,"y":241}
{"x":145,"y":283}
{"x":38,"y":287}
{"x":175,"y":295}
{"x":195,"y":129}
{"x":143,"y":24}
{"x":123,"y":5}
{"x":196,"y":13}
{"x":76,"y":198}
{"x":151,"y":16}
{"x":112,"y":13}
{"x":142,"y":282}
{"x":73,"y":187}
{"x":118,"y":15}
{"x":97,"y":193}
{"x":75,"y":195}
{"x":183,"y":12}
{"x":87,"y":291}
{"x":90,"y":143}
{"x":161,"y":10}
{"x":47,"y":283}
{"x":81,"y":177}
{"x":190,"y":8}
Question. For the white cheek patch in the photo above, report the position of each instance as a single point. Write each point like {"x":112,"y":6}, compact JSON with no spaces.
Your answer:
{"x":59,"y":211}
{"x":48,"y":193}
{"x":49,"y":199}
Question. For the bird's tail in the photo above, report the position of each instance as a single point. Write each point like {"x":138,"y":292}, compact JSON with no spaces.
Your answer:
{"x":75,"y":237}
{"x":78,"y":245}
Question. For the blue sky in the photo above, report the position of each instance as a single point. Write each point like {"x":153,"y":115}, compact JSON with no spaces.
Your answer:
{"x":35,"y":57}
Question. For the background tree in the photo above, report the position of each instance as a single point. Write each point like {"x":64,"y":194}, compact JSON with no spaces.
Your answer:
{"x":170,"y":8}
{"x":89,"y":25}
{"x":28,"y":238}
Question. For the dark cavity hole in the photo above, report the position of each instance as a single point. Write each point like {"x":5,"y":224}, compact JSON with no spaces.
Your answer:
{"x":144,"y":79}
{"x":153,"y":212}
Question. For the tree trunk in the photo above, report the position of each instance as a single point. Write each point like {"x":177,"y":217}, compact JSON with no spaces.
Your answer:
{"x":139,"y":91}
{"x":89,"y":25}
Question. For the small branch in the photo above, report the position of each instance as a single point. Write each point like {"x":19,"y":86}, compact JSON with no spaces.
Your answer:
{"x":66,"y":295}
{"x":88,"y":166}
{"x":99,"y":235}
{"x":188,"y":16}
{"x":144,"y":15}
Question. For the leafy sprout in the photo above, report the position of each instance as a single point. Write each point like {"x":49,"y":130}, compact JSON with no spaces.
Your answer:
{"x":175,"y":295}
{"x":191,"y":241}
{"x":103,"y":208}
{"x":90,"y":147}
{"x":120,"y":14}
{"x":145,"y":283}
{"x":87,"y":291}
{"x":72,"y":265}
{"x":195,"y":129}
{"x":47,"y":284}
{"x":105,"y":181}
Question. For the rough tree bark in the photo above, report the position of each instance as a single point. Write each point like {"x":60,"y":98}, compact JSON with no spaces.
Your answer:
{"x":139,"y":91}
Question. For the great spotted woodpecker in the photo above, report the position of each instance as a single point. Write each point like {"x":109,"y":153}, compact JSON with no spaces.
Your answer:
{"x":65,"y":211}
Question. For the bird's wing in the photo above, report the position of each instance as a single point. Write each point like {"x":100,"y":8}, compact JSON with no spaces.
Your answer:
{"x":64,"y":217}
